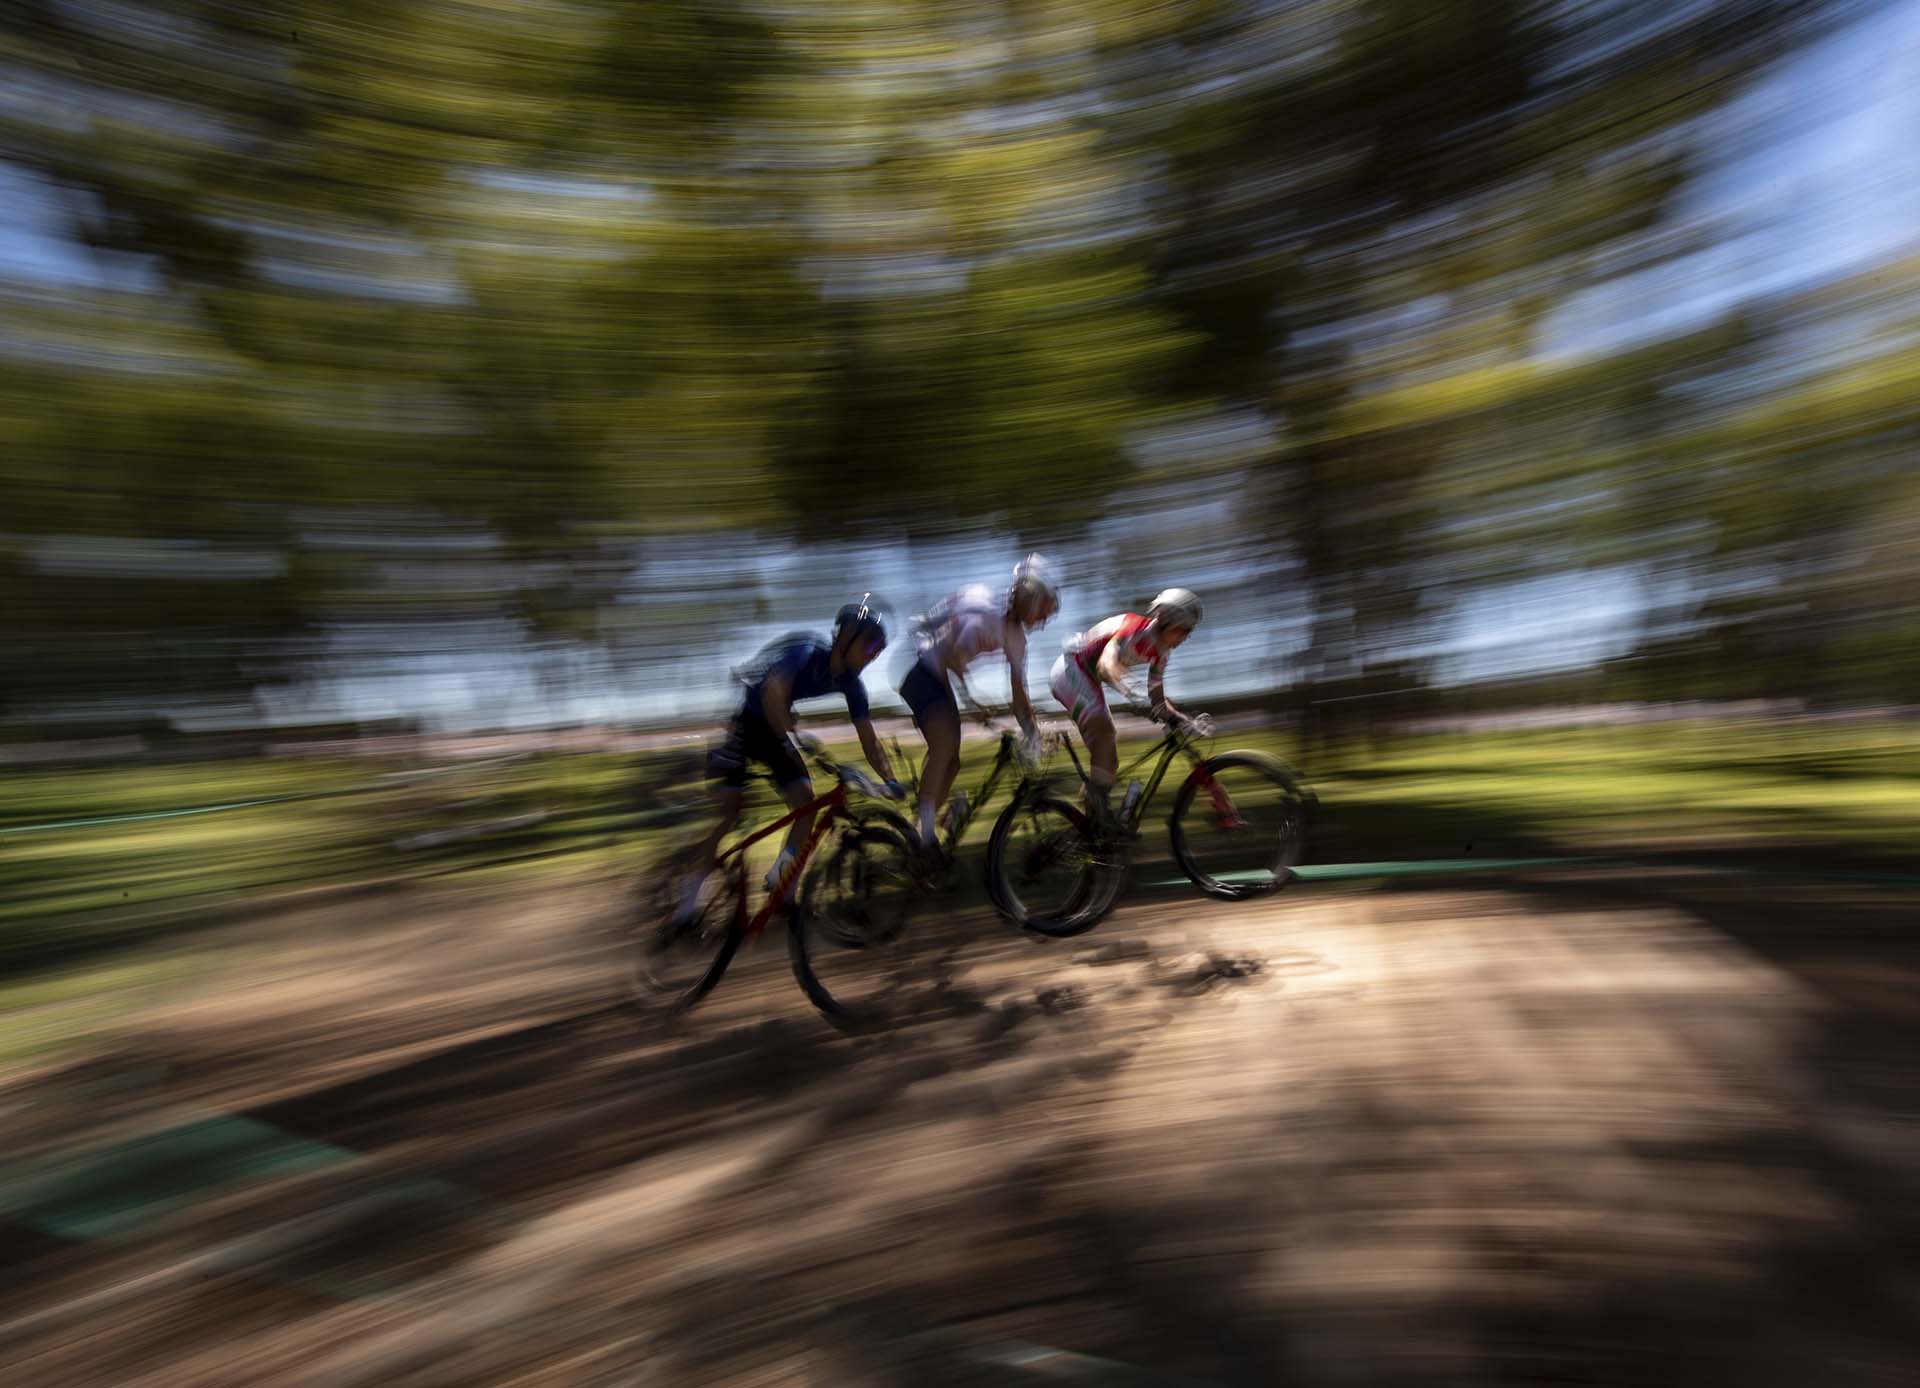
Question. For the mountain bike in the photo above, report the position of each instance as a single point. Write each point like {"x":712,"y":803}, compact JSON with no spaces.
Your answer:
{"x":1238,"y":827}
{"x":850,"y":950}
{"x":962,"y":807}
{"x":674,"y":963}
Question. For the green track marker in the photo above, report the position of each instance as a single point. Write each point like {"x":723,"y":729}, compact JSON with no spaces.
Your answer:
{"x":1336,"y":872}
{"x":115,"y":1191}
{"x":56,"y":825}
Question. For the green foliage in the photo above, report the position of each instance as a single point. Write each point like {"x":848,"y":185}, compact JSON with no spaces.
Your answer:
{"x":587,"y":272}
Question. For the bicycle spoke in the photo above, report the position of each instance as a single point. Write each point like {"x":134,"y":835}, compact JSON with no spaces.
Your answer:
{"x":1239,"y":824}
{"x":851,"y":944}
{"x":675,"y":958}
{"x":1050,"y":872}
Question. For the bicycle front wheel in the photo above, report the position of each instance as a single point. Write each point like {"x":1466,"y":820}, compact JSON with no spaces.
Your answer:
{"x":1239,"y":825}
{"x":673,"y":962}
{"x":852,"y":952}
{"x":1047,"y":871}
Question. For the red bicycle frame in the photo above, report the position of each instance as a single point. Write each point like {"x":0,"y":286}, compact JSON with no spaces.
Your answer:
{"x":835,"y":806}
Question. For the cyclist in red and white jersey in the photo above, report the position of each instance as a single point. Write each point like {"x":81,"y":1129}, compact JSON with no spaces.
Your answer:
{"x":1105,"y":655}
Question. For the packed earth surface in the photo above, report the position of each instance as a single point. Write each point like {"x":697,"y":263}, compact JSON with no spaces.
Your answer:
{"x":1562,"y":1128}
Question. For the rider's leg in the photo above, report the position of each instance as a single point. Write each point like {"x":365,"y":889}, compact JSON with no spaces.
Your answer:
{"x":930,"y":697}
{"x":796,"y":788}
{"x":1082,"y":698}
{"x":797,"y":794}
{"x":1103,"y":758}
{"x":942,"y":728}
{"x":726,"y":805}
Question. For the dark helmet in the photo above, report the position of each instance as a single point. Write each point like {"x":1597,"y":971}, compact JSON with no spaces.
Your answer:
{"x":863,"y":617}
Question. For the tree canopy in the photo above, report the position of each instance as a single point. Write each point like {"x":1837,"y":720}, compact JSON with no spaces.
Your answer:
{"x":434,"y":307}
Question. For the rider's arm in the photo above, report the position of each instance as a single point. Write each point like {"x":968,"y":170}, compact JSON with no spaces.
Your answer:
{"x":1157,"y":699}
{"x":1015,"y":644}
{"x":1022,"y":705}
{"x":775,"y":702}
{"x":1114,"y":673}
{"x":870,"y":744}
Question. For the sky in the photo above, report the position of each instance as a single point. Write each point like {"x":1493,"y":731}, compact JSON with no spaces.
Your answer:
{"x":1824,"y":179}
{"x":1812,"y":173}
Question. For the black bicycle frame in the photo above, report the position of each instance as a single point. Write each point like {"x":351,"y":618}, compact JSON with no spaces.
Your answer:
{"x":1167,"y":748}
{"x":1002,"y":759}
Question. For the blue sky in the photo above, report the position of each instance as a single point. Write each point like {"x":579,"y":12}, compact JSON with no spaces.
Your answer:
{"x":1814,"y":172}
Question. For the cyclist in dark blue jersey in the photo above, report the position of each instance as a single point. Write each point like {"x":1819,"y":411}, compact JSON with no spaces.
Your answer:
{"x":800,"y":666}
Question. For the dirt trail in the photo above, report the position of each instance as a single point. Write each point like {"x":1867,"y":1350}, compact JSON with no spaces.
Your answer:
{"x":1563,"y":1132}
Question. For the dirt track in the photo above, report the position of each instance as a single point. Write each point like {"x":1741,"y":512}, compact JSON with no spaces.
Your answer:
{"x":1553,"y":1132}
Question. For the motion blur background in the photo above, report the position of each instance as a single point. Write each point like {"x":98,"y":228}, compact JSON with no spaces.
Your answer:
{"x":410,"y":410}
{"x":483,"y":365}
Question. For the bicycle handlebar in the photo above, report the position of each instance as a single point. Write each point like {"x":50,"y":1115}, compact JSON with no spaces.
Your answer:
{"x":861,"y":782}
{"x":851,"y":777}
{"x":1196,"y":725}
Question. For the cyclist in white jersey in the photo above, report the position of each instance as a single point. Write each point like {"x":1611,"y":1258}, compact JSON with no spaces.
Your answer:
{"x":959,"y":629}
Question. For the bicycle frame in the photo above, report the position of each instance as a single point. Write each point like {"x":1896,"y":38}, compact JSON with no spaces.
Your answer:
{"x":1003,"y":758}
{"x":831,"y":808}
{"x":1170,"y":745}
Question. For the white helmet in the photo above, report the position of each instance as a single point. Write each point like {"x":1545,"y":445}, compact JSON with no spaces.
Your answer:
{"x":1177,"y":607}
{"x":1033,"y":577}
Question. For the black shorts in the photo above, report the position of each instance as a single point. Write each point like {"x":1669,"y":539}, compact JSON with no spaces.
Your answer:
{"x":926,"y":688}
{"x":750,"y":738}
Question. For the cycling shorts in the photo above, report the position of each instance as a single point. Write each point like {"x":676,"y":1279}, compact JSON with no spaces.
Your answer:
{"x":1078,"y":692}
{"x":926,"y":688}
{"x":751,"y":738}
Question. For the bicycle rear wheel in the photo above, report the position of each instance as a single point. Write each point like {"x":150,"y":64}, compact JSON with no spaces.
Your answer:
{"x":1239,"y":825}
{"x":853,"y":953}
{"x":672,"y":963}
{"x":1047,"y":870}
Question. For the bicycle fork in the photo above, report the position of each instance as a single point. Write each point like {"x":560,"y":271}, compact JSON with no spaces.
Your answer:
{"x":1225,"y":815}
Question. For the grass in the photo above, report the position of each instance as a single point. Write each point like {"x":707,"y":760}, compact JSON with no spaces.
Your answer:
{"x":1850,"y":792}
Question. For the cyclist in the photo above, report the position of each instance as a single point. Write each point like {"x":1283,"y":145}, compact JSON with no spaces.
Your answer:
{"x":950,"y":635}
{"x":800,"y":666}
{"x":1102,"y":656}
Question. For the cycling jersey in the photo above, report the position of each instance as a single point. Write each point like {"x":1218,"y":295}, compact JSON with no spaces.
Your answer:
{"x":1076,"y":679}
{"x":1127,"y":634}
{"x":807,"y":663}
{"x":967,"y":625}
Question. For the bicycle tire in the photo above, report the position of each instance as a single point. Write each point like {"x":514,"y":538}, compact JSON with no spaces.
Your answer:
{"x":652,"y":919}
{"x":866,"y":861}
{"x":1290,"y":849}
{"x":891,"y":820}
{"x":1092,"y":895}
